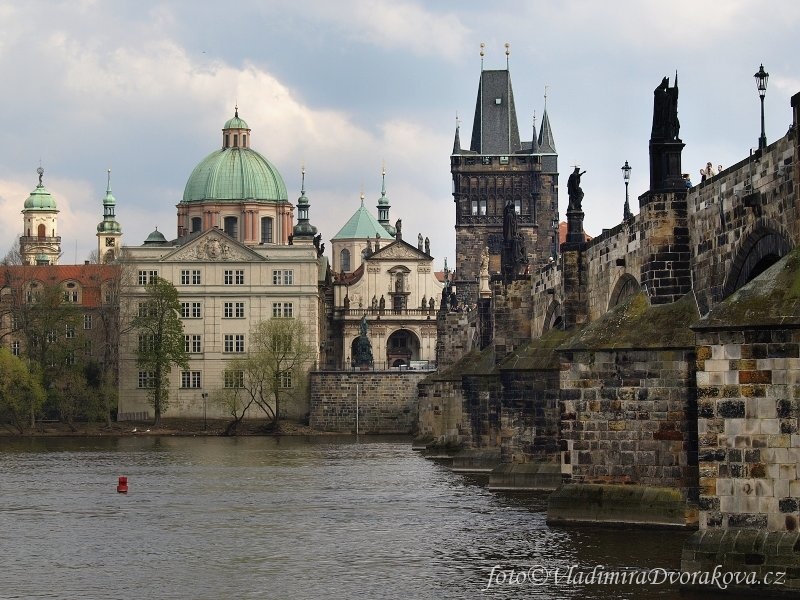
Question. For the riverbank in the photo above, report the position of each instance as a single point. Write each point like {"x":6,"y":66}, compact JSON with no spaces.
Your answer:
{"x":174,"y":427}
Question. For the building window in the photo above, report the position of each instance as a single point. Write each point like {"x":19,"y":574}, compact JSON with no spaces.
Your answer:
{"x":231,"y":225}
{"x":190,"y":277}
{"x":51,"y":337}
{"x":15,"y":348}
{"x":282,"y":309}
{"x":474,"y":207}
{"x":69,"y":359}
{"x":147,"y":276}
{"x":482,"y":206}
{"x":234,"y":342}
{"x":344,"y":260}
{"x":191,"y":344}
{"x":283,"y":277}
{"x":518,"y":206}
{"x":233,"y":277}
{"x":70,"y":332}
{"x":71,"y":296}
{"x":266,"y":230}
{"x":233,"y":310}
{"x":233,"y":379}
{"x":147,"y":342}
{"x":87,"y":321}
{"x":147,"y":379}
{"x":190,"y":379}
{"x":286,"y":379}
{"x":191,"y":310}
{"x":143,"y":309}
{"x":197,"y":224}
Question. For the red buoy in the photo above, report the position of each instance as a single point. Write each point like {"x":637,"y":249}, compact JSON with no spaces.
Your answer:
{"x":122,"y":486}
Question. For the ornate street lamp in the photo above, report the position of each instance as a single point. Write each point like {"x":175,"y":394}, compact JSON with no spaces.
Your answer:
{"x":626,"y":175}
{"x":554,"y":226}
{"x":761,"y":83}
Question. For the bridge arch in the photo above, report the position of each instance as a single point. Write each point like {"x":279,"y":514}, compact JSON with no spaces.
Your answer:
{"x":626,"y":286}
{"x":761,"y":249}
{"x":554,"y":317}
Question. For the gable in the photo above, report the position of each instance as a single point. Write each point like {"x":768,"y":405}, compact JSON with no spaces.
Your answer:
{"x":213,"y":245}
{"x":399,"y":250}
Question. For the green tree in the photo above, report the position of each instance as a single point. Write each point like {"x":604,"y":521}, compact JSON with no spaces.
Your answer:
{"x":273,"y":372}
{"x":160,"y":341}
{"x":21,"y":392}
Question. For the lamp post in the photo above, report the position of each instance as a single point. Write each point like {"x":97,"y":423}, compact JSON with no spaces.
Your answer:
{"x":205,"y":401}
{"x":626,"y":175}
{"x":761,"y":83}
{"x":554,"y":225}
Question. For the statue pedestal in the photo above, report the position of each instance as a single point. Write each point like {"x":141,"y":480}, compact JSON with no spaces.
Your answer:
{"x":575,"y":233}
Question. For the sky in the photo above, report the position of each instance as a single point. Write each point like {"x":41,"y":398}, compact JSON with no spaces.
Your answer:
{"x":143,"y":88}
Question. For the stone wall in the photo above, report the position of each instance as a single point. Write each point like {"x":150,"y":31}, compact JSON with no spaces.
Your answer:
{"x":387,"y":401}
{"x":749,"y":398}
{"x":627,"y":417}
{"x":457,"y":334}
{"x":749,"y":210}
{"x":512,"y":316}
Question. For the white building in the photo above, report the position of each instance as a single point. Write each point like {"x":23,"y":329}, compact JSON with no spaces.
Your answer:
{"x":236,"y":261}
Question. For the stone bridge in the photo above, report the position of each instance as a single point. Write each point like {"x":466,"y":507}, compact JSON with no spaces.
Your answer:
{"x":655,"y":370}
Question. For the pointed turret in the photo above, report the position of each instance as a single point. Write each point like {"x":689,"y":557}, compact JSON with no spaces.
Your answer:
{"x":383,"y":203}
{"x":534,"y":141}
{"x":547,"y":144}
{"x":457,"y":139}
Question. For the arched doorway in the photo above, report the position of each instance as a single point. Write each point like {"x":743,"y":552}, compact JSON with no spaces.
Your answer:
{"x":758,"y":252}
{"x":402,"y":347}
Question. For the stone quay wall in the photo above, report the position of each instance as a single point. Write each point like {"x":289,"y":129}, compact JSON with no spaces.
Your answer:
{"x":749,"y":411}
{"x":387,"y":401}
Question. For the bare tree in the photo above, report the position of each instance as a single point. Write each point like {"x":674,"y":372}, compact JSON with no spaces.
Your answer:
{"x":273,"y":372}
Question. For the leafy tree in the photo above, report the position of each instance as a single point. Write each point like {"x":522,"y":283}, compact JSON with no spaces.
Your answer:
{"x":161,"y":341}
{"x":21,"y":392}
{"x":273,"y":372}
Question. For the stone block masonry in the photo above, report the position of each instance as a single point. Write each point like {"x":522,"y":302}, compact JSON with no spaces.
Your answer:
{"x":387,"y":401}
{"x":749,"y":408}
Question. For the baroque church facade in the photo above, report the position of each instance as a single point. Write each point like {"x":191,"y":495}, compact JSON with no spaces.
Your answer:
{"x":237,"y":260}
{"x":387,"y":286}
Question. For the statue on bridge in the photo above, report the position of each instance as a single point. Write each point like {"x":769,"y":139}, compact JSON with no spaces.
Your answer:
{"x":574,"y":189}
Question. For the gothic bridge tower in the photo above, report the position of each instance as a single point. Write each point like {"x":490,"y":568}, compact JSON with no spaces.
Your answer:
{"x":499,"y":168}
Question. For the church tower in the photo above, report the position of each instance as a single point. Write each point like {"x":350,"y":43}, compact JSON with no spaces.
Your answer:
{"x":40,"y":243}
{"x":497,"y":169}
{"x":109,"y":232}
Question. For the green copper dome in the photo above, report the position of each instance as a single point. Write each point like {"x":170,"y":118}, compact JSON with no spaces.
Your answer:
{"x":40,"y":199}
{"x":235,"y":174}
{"x":155,"y":237}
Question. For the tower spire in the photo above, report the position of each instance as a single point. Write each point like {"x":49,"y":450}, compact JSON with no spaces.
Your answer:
{"x":534,"y":141}
{"x":482,"y":53}
{"x":383,"y":205}
{"x":457,"y":139}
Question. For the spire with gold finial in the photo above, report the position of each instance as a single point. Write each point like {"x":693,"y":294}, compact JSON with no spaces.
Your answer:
{"x":303,"y":230}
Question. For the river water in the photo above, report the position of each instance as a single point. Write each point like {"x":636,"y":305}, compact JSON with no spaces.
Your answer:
{"x":288,"y":518}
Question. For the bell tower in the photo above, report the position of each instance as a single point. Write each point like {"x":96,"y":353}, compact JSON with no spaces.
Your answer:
{"x":40,"y":243}
{"x":109,"y":232}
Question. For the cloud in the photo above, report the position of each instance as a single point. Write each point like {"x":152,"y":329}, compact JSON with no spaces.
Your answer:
{"x":393,"y":25}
